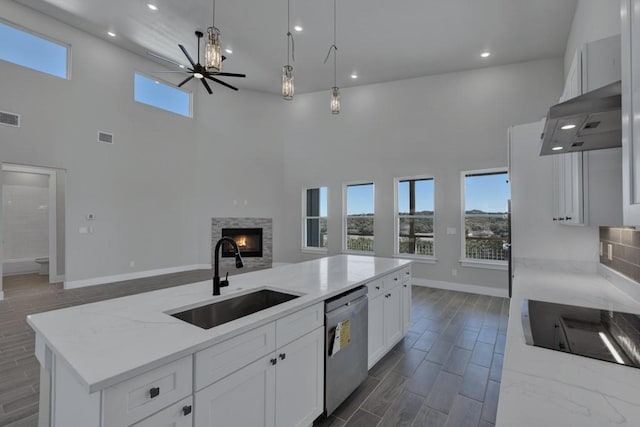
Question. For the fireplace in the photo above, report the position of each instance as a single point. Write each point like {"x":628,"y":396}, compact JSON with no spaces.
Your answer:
{"x":249,"y":241}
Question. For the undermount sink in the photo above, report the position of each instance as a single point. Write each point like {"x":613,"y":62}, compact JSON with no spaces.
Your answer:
{"x":217,"y":313}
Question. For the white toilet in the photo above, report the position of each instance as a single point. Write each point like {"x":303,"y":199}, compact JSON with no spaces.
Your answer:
{"x":44,"y":266}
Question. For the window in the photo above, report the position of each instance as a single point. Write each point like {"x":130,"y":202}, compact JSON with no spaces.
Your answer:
{"x":160,"y":95}
{"x":315,"y":219}
{"x":486,"y":223}
{"x":359,"y":217}
{"x":32,"y":51}
{"x":414,"y":216}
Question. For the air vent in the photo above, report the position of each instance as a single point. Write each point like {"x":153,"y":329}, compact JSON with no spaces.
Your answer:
{"x":105,"y":138}
{"x":578,"y":144}
{"x":592,"y":125}
{"x":9,"y":119}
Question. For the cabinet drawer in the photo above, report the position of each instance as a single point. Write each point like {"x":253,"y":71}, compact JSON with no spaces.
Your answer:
{"x":405,"y":274}
{"x":376,"y":287}
{"x":220,"y":360}
{"x":391,"y":280}
{"x":137,"y":398}
{"x":177,"y":415}
{"x":298,"y":324}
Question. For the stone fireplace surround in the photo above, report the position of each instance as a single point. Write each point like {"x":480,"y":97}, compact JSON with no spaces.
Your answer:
{"x":217,"y":224}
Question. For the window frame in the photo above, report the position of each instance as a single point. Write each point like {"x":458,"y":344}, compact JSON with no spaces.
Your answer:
{"x":430,"y":259}
{"x":304,"y":247}
{"x":53,"y":40}
{"x":166,"y":83}
{"x":345,"y":186}
{"x":472,"y":262}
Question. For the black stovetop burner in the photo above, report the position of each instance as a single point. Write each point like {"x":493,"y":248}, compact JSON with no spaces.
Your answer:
{"x":599,"y":334}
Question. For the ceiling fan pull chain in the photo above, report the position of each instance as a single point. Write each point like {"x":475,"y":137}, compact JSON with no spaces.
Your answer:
{"x":293,"y":47}
{"x":333,"y":46}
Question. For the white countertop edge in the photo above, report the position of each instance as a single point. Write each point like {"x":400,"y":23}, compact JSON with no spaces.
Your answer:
{"x":238,"y":326}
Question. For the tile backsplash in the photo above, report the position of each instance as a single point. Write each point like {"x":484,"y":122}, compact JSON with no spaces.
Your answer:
{"x":622,"y":245}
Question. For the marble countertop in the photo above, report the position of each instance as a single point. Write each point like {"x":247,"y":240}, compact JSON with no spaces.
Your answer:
{"x":109,"y":341}
{"x":542,"y":387}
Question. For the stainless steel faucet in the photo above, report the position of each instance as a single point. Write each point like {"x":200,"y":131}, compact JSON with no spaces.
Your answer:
{"x":217,"y":284}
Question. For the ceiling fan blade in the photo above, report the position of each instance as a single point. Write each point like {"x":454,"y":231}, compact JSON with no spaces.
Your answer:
{"x":193,"y":64}
{"x":223,"y":58}
{"x":206,"y":85}
{"x":222,"y":83}
{"x":229,"y":74}
{"x":161,"y":72}
{"x":184,"y":81}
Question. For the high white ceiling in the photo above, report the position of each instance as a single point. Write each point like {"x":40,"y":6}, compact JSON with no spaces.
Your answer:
{"x":379,"y":40}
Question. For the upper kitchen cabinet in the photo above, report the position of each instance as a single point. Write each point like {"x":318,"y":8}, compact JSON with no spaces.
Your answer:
{"x":586,"y":184}
{"x":630,"y":14}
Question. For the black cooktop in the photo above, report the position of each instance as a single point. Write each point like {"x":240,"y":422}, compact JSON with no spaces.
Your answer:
{"x":599,"y":334}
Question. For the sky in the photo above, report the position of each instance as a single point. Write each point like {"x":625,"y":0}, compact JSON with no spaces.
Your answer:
{"x":30,"y":51}
{"x":488,"y":193}
{"x":158,"y":94}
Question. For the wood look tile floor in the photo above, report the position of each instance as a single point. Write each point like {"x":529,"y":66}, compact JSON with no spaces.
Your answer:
{"x":445,"y":372}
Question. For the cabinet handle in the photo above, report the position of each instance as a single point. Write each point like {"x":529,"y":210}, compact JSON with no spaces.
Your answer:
{"x":405,"y":286}
{"x":283,"y":356}
{"x":186,"y":410}
{"x":154,"y":392}
{"x":274,"y":361}
{"x":395,"y":278}
{"x":377,"y":287}
{"x":567,"y":218}
{"x":407,"y":273}
{"x":555,"y":219}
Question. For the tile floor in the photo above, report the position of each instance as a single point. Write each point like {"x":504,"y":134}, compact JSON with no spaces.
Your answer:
{"x":445,"y":372}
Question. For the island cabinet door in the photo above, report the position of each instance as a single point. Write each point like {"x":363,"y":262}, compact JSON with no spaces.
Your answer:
{"x":300,"y":380}
{"x":376,"y":346}
{"x":393,"y":315}
{"x":406,"y":307}
{"x":244,"y":398}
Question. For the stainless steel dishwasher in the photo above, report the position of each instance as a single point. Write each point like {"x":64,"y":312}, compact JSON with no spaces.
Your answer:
{"x":346,"y":335}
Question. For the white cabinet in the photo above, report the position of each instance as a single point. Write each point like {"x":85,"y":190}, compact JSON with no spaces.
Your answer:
{"x":284,"y":388}
{"x":389,"y":313}
{"x":583,"y":181}
{"x":631,"y":112}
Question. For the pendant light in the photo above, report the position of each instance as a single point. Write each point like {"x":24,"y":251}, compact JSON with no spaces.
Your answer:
{"x":212,"y":55}
{"x":287,"y":70}
{"x":335,"y":90}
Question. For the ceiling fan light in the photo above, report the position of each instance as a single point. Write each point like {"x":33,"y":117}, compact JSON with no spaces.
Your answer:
{"x":287,"y":82}
{"x":335,"y":100}
{"x":212,"y":55}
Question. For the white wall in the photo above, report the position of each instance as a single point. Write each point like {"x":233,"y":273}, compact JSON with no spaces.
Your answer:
{"x":143,"y":188}
{"x":438,"y":125}
{"x":26,"y":215}
{"x":593,"y":20}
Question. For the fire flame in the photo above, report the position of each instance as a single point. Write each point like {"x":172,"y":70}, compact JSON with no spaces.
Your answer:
{"x":241,"y":241}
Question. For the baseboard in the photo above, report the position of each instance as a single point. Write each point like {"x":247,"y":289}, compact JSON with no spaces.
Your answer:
{"x":71,"y":284}
{"x":452,"y":286}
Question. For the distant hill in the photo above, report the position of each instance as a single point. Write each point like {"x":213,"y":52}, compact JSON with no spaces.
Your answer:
{"x":479,"y":212}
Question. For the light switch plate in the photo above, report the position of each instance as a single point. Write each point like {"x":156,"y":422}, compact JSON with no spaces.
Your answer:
{"x":601,"y":245}
{"x":610,"y":251}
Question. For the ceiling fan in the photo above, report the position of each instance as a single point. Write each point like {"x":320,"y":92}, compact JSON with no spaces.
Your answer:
{"x":199,"y":72}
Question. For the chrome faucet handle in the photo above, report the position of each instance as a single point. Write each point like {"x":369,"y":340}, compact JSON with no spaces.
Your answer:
{"x":225,"y":282}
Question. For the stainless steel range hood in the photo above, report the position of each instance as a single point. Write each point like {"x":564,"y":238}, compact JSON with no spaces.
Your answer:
{"x":592,"y":121}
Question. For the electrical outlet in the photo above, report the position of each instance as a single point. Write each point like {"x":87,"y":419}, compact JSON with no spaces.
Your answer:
{"x":91,"y":216}
{"x":132,"y":264}
{"x":610,"y":251}
{"x":454,"y":272}
{"x":83,"y":230}
{"x":601,"y":245}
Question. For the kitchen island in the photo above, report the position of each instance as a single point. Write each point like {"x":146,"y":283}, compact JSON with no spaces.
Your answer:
{"x":542,"y":387}
{"x":127,"y":361}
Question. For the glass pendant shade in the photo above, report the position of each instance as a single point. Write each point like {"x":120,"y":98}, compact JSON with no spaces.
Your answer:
{"x":335,"y":100}
{"x":212,"y":55}
{"x":287,"y":82}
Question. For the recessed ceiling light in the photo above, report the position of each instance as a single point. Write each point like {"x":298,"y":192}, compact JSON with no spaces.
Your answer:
{"x":485,"y":54}
{"x":354,"y":76}
{"x":180,"y":65}
{"x":152,"y":6}
{"x":298,"y":28}
{"x":228,"y":50}
{"x":557,"y":148}
{"x":565,"y":127}
{"x":111,"y":33}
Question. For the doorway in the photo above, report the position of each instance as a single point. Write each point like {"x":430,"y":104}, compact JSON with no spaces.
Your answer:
{"x":33,"y":229}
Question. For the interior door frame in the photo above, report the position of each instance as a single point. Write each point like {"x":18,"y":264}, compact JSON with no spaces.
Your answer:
{"x":53,"y":237}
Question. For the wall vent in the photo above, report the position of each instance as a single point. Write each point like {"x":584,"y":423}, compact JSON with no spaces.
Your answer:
{"x":105,"y":138}
{"x":10,"y":119}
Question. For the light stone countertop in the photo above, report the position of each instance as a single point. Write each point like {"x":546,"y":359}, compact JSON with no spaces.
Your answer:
{"x":542,"y":387}
{"x":109,"y":341}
